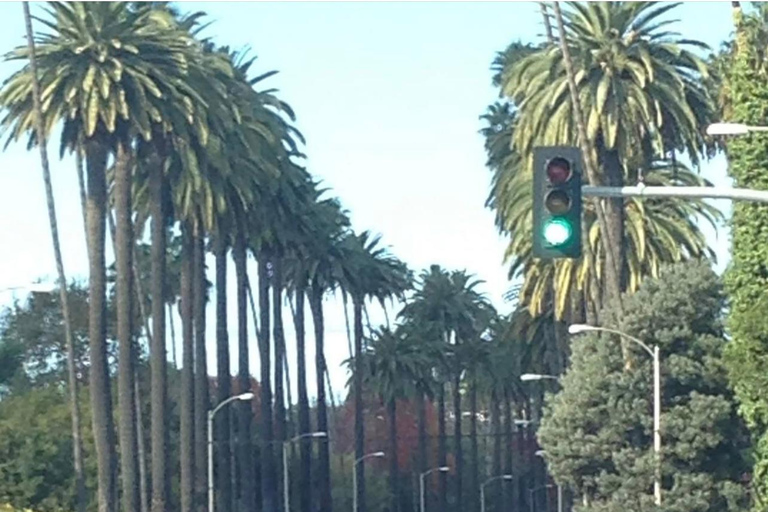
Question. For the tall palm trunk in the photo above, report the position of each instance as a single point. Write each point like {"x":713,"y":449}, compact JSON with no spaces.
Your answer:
{"x":279,"y":338}
{"x":141,"y":449}
{"x":442,"y":445}
{"x":394,"y":477}
{"x":202,"y":394}
{"x":458,"y":452}
{"x":357,"y":319}
{"x":497,"y":445}
{"x":187,"y":373}
{"x":224,"y":377}
{"x":158,"y":353}
{"x":257,"y":450}
{"x":245,"y":451}
{"x":608,"y":220}
{"x":305,"y":475}
{"x":101,"y":397}
{"x":421,"y":413}
{"x":511,"y":494}
{"x":474,"y":470}
{"x":547,"y":23}
{"x":324,"y":469}
{"x":77,"y":443}
{"x":268,"y":498}
{"x":124,"y":292}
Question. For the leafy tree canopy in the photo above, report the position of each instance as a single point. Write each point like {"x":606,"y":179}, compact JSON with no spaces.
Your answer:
{"x":597,"y":432}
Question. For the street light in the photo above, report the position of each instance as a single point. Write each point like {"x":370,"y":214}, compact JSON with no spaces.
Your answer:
{"x":654,"y":353}
{"x":533,"y":490}
{"x":286,"y":481}
{"x":526,"y":377}
{"x":733,"y":129}
{"x":211,"y":414}
{"x":482,"y":488}
{"x":542,"y":453}
{"x":422,"y":501}
{"x":354,"y":475}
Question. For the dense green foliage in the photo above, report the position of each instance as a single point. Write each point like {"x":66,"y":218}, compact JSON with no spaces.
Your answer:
{"x":747,"y":276}
{"x":597,"y":432}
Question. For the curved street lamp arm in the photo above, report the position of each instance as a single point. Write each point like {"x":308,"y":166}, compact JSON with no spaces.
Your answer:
{"x":625,"y":335}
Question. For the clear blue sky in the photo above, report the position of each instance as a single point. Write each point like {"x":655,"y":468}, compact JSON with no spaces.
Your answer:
{"x":388,"y":96}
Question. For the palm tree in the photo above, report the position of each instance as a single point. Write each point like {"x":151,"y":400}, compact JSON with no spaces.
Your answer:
{"x":102,"y":104}
{"x":77,"y":444}
{"x":393,"y":363}
{"x":609,"y":44}
{"x":368,"y":271}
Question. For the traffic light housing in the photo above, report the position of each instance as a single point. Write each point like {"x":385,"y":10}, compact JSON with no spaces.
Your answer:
{"x":557,"y":202}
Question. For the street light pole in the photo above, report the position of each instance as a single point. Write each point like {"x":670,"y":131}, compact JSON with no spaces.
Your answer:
{"x":482,"y":488}
{"x":354,"y":476}
{"x":286,"y":474}
{"x":211,"y":415}
{"x":542,"y":453}
{"x":654,"y":353}
{"x":422,"y":499}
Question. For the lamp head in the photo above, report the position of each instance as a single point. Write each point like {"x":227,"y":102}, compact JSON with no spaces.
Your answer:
{"x":507,"y":477}
{"x":727,"y":129}
{"x":529,"y":377}
{"x":319,"y":434}
{"x":245,"y":396}
{"x":444,"y":469}
{"x":378,"y":454}
{"x":580,"y":328}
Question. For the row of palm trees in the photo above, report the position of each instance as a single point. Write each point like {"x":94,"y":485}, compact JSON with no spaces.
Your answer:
{"x":173,"y":131}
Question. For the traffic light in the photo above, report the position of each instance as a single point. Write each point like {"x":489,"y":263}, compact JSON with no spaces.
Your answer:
{"x":556,"y":202}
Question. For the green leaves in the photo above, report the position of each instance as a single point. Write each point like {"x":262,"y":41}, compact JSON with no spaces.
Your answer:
{"x":597,"y":431}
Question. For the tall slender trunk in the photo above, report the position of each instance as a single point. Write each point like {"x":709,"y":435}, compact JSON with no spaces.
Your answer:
{"x":124,"y":284}
{"x":80,"y":181}
{"x":474,"y":470}
{"x":279,"y":340}
{"x":324,"y":466}
{"x":224,"y":378}
{"x":547,"y":23}
{"x":245,"y":450}
{"x":187,"y":441}
{"x":77,"y":444}
{"x":421,"y":413}
{"x":158,"y":355}
{"x":458,"y":452}
{"x":442,"y":445}
{"x":140,"y":443}
{"x":357,"y":319}
{"x":268,"y":497}
{"x":305,"y":474}
{"x":606,"y":219}
{"x":497,"y":446}
{"x":510,"y":494}
{"x":101,"y":397}
{"x":257,"y":449}
{"x":394,"y":477}
{"x":202,"y":391}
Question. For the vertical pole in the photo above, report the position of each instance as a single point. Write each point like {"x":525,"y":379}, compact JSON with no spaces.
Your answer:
{"x":286,"y":493}
{"x":656,"y":426}
{"x":354,"y":486}
{"x":559,"y":498}
{"x":482,"y":498}
{"x":422,"y":504}
{"x":210,"y":462}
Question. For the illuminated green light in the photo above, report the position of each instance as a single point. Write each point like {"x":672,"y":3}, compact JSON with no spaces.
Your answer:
{"x":557,"y":232}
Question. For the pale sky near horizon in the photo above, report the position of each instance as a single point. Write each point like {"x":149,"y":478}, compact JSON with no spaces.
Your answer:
{"x":388,"y":95}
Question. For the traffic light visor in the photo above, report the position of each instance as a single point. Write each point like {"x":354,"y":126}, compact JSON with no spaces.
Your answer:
{"x":557,"y":232}
{"x":558,"y":170}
